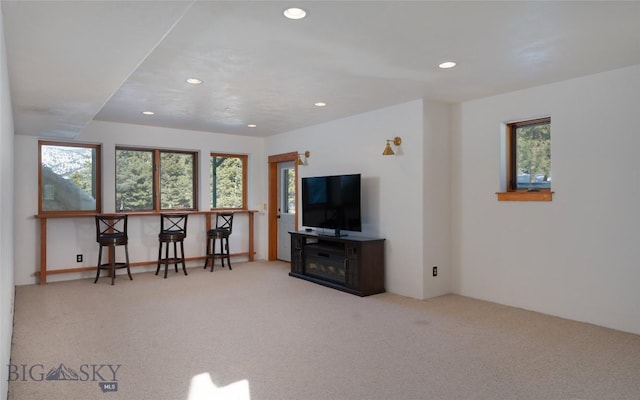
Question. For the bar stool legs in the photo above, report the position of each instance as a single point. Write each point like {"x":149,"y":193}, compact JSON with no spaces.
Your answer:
{"x":211,"y":250}
{"x":112,"y":265}
{"x":173,"y":229}
{"x":221,"y":232}
{"x":175,"y":260}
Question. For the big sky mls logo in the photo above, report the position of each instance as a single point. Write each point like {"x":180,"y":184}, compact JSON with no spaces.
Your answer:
{"x":104,"y":374}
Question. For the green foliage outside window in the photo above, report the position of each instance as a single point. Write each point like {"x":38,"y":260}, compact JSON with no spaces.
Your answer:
{"x":176,"y":180}
{"x":227,"y":180}
{"x":533,"y":155}
{"x":290,"y":191}
{"x":135,"y":179}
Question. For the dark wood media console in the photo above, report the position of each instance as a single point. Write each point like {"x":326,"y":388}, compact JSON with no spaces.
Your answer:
{"x":349,"y":263}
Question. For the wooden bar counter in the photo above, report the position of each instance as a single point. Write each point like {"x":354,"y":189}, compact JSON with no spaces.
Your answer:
{"x":43,"y":238}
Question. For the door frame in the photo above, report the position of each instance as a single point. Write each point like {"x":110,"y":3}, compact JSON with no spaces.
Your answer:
{"x":272,"y":207}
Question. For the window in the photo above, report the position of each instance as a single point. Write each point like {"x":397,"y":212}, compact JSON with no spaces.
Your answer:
{"x":530,"y":165}
{"x":289,"y":190}
{"x":228,"y":181}
{"x":528,"y":159}
{"x":69,"y":178}
{"x":155,"y":180}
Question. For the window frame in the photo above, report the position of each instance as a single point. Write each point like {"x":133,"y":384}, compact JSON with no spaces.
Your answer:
{"x":156,"y":168}
{"x":512,"y":193}
{"x":244,"y":162}
{"x":97,"y":167}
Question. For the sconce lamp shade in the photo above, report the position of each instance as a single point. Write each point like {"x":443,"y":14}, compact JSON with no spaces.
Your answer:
{"x":388,"y":151}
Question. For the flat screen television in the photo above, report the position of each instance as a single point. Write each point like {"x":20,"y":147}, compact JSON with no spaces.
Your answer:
{"x":332,"y":203}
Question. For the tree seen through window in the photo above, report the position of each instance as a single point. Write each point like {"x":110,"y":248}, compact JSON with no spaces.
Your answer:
{"x":228,"y":180}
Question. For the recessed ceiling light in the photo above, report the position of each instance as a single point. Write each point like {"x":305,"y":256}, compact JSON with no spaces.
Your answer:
{"x":295,"y":13}
{"x":448,"y":64}
{"x":194,"y":81}
{"x":252,"y":125}
{"x":320,"y":104}
{"x":148,"y":112}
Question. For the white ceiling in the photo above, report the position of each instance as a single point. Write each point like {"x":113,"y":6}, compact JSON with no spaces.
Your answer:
{"x":73,"y":61}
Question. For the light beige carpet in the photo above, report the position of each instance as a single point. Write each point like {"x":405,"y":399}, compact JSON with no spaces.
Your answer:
{"x":259,"y":334}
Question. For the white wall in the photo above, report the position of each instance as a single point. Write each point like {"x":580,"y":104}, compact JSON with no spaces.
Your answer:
{"x":437,"y":199}
{"x":577,"y":256}
{"x":6,"y":219}
{"x":392,"y":186}
{"x":68,"y":237}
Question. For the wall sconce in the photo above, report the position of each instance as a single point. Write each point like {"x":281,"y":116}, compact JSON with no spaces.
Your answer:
{"x":388,"y":151}
{"x":306,"y":155}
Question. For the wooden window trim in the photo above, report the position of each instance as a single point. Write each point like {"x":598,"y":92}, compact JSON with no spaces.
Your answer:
{"x":513,"y":194}
{"x":244,"y":161}
{"x":525,"y":195}
{"x":98,"y":172}
{"x":157,"y":206}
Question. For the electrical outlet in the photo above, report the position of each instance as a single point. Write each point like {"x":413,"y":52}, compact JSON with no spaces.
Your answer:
{"x":79,"y":258}
{"x":435,"y":271}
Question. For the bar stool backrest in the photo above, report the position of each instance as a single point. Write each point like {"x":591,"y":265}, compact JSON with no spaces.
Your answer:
{"x":224,"y":222}
{"x":111,"y":229}
{"x":173,"y":223}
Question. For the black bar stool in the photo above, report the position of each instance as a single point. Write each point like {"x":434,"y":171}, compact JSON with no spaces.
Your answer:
{"x":173,"y":229}
{"x":111,"y":231}
{"x":222,"y":231}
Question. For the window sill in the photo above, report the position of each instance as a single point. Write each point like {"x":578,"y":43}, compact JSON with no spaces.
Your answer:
{"x":543,"y":195}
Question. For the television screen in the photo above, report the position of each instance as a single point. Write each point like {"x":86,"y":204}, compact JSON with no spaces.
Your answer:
{"x":332,"y":202}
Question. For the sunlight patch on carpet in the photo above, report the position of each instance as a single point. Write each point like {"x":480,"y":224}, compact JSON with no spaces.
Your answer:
{"x":202,"y":387}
